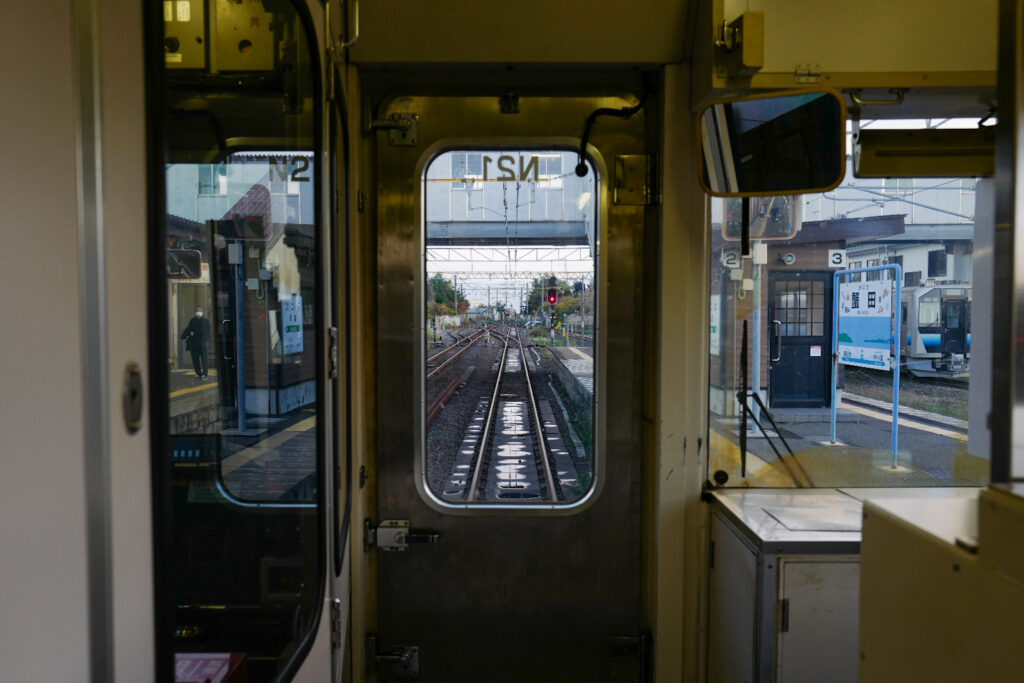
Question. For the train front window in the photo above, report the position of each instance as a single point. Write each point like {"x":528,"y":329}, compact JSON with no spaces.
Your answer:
{"x":239,"y":483}
{"x":510,"y":303}
{"x":779,"y":315}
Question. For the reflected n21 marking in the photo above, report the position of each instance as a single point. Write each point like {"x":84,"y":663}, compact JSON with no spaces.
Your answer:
{"x":504,"y":164}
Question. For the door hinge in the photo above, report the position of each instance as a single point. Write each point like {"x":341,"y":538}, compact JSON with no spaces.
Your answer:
{"x":807,"y":73}
{"x":784,"y":615}
{"x":393,"y":535}
{"x":402,"y":660}
{"x":634,"y":182}
{"x":361,"y":198}
{"x":336,"y":623}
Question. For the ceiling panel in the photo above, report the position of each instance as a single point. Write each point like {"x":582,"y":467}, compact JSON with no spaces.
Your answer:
{"x":521,"y":31}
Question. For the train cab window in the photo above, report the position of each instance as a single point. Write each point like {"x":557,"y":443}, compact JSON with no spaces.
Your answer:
{"x":771,"y":344}
{"x":509,"y":323}
{"x":239,"y":480}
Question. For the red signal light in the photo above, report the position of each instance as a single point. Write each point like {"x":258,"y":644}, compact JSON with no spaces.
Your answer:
{"x":552,"y":296}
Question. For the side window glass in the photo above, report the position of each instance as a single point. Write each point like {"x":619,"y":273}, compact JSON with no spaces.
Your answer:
{"x":877,"y":272}
{"x":509,"y":328}
{"x":238,"y":478}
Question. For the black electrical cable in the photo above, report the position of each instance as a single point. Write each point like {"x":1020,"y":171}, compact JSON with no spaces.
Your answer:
{"x":624,"y":113}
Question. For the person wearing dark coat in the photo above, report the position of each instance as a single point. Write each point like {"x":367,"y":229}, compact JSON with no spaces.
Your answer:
{"x":197,"y":336}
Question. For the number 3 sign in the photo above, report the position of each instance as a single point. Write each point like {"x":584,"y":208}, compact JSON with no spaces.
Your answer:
{"x":837,"y":258}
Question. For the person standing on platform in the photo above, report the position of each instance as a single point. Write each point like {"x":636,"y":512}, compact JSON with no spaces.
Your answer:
{"x":197,"y":337}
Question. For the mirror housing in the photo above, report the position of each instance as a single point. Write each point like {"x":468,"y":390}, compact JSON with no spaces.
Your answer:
{"x":786,"y":143}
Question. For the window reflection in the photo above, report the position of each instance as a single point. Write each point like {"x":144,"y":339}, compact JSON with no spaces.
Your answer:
{"x":239,"y":551}
{"x":242,"y":318}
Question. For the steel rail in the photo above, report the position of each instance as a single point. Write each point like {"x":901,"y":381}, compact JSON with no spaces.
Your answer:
{"x":450,"y":347}
{"x":439,"y":403}
{"x":478,"y":467}
{"x":541,"y":445}
{"x":445,"y":364}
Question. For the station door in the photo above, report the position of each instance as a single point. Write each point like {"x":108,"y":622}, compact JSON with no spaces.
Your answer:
{"x":800,"y":339}
{"x":508,"y":594}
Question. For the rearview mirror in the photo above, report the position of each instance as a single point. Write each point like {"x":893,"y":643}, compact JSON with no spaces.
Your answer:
{"x":781,"y":144}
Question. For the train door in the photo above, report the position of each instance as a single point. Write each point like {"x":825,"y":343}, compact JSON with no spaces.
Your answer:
{"x":800,"y":325}
{"x":954,"y":325}
{"x":244,"y":421}
{"x":516,"y":587}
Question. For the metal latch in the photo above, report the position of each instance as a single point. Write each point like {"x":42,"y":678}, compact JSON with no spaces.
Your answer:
{"x":403,"y":660}
{"x":393,"y":535}
{"x":402,"y":127}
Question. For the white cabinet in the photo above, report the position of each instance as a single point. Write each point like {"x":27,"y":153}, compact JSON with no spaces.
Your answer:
{"x":783,"y":603}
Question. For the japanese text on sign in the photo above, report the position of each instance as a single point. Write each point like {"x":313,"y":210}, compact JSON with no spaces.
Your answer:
{"x":865,"y":324}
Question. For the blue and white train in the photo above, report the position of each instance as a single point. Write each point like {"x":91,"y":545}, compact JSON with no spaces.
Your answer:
{"x":936,"y":330}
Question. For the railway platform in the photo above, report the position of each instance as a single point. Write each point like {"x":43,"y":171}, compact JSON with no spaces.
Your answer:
{"x":578,"y":362}
{"x":932,"y":448}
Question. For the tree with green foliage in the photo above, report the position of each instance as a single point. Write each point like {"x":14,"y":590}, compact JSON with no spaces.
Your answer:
{"x":442,"y":299}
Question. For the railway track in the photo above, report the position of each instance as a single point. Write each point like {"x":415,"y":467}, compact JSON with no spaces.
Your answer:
{"x":456,"y":349}
{"x":504,"y":455}
{"x":946,"y":382}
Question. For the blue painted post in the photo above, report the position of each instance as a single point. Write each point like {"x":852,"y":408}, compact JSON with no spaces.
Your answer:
{"x":896,"y":342}
{"x":835,"y":346}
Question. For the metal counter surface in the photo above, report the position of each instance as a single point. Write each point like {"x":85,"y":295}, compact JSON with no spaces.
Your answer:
{"x":814,"y":520}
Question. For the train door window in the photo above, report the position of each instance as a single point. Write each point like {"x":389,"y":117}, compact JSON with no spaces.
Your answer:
{"x":239,"y":480}
{"x":771,"y":346}
{"x":508,"y":329}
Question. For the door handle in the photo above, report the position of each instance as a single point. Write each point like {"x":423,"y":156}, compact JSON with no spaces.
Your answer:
{"x":778,"y":340}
